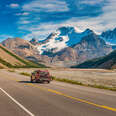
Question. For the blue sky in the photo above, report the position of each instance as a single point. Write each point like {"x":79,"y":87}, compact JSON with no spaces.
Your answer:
{"x":38,"y":18}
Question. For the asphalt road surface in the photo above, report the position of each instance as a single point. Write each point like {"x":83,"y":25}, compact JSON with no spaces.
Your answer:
{"x":19,"y":97}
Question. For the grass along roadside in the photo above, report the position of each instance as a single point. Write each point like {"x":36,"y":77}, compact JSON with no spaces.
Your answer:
{"x":25,"y":74}
{"x":87,"y":85}
{"x":75,"y":82}
{"x":11,"y":70}
{"x":67,"y":81}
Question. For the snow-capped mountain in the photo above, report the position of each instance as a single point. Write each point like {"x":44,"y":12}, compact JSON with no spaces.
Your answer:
{"x":110,"y":37}
{"x":64,"y":47}
{"x":62,"y":38}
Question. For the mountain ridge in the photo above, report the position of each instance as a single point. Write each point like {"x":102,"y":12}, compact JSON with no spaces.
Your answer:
{"x":106,"y":62}
{"x":8,"y":59}
{"x":63,"y":37}
{"x":110,"y":36}
{"x":59,"y":47}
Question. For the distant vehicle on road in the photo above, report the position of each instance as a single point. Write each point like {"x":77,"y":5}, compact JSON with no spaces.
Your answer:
{"x":41,"y":76}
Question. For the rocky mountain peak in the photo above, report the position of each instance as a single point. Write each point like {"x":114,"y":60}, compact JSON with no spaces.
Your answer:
{"x":63,"y":37}
{"x":65,"y":30}
{"x":88,"y":31}
{"x":109,"y":36}
{"x":34,"y":41}
{"x":93,"y":40}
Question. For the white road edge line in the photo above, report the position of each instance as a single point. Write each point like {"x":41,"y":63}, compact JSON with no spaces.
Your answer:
{"x":21,"y":106}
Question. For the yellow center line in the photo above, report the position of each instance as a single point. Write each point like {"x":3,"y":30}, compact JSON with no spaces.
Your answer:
{"x":68,"y":96}
{"x":74,"y":98}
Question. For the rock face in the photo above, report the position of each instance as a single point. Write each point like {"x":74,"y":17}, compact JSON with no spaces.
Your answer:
{"x":107,"y":62}
{"x":24,"y":48}
{"x":90,"y":46}
{"x":110,"y":37}
{"x":19,"y":46}
{"x":8,"y":59}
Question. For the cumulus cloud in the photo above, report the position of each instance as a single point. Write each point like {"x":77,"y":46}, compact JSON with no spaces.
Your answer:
{"x":5,"y":36}
{"x":13,"y":5}
{"x":103,"y":22}
{"x":46,"y":6}
{"x":25,"y":22}
{"x":22,"y":14}
{"x":41,"y":31}
{"x":106,"y":20}
{"x":91,"y":2}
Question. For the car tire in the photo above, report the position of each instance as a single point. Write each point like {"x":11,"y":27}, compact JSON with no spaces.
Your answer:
{"x":48,"y":81}
{"x":32,"y":80}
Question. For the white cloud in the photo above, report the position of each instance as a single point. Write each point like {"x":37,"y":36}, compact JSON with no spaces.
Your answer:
{"x":46,"y":6}
{"x":40,"y":31}
{"x":91,"y":2}
{"x":103,"y":22}
{"x":13,"y":5}
{"x":24,"y":22}
{"x":22,"y":14}
{"x":28,"y":37}
{"x":5,"y":36}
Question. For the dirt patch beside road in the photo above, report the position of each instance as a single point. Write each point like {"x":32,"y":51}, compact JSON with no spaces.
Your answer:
{"x":85,"y":76}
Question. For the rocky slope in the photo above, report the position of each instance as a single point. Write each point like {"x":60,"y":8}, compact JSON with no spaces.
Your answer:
{"x":89,"y":47}
{"x":92,"y":46}
{"x":107,"y":62}
{"x":110,"y":37}
{"x":23,"y":48}
{"x":19,"y":46}
{"x":9,"y":59}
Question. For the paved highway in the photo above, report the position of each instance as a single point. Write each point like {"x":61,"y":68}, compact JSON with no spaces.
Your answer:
{"x":19,"y":97}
